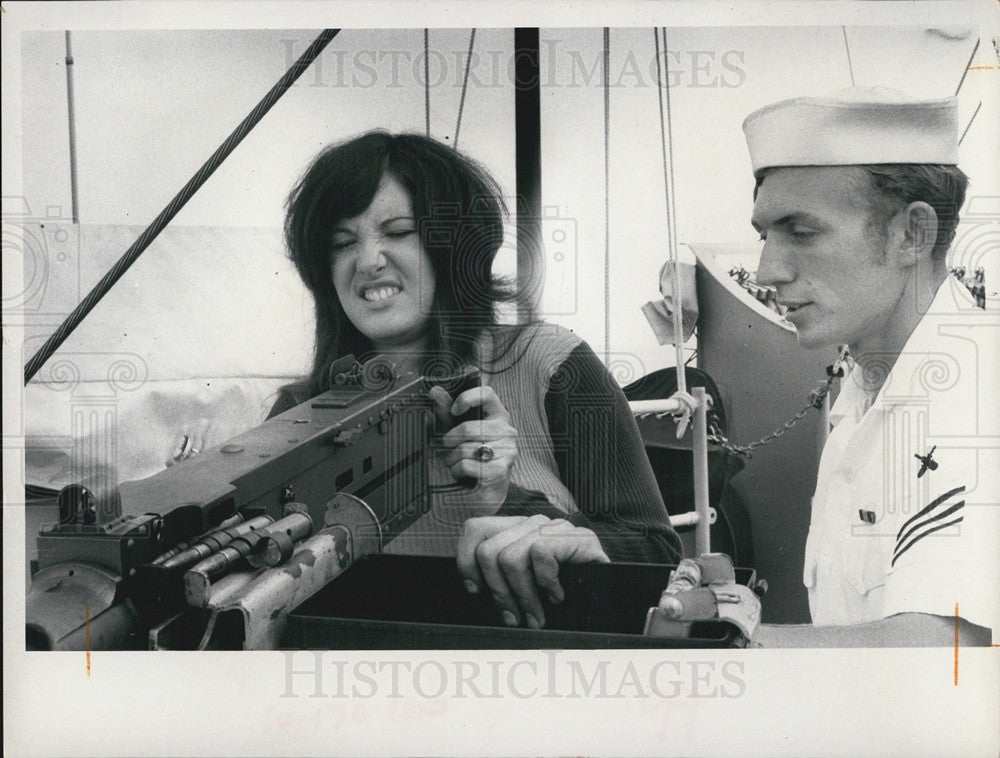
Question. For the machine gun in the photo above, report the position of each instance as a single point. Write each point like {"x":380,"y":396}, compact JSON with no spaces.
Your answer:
{"x":142,"y":566}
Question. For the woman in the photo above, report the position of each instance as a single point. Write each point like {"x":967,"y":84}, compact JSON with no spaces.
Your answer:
{"x":395,"y":237}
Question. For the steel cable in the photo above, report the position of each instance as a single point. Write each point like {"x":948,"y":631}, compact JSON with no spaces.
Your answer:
{"x":160,"y":222}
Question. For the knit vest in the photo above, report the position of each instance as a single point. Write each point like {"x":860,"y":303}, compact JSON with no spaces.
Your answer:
{"x":520,"y":377}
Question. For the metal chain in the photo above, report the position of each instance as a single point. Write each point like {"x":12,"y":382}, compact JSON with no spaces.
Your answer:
{"x":816,"y":398}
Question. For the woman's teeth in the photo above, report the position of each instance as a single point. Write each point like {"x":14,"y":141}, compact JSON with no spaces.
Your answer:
{"x":374,"y":295}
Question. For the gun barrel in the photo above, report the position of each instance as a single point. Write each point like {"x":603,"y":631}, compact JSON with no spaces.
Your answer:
{"x":214,"y":542}
{"x":274,"y":541}
{"x":182,"y":546}
{"x":278,"y":541}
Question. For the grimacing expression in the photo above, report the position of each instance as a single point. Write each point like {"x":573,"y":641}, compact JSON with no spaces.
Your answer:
{"x":381,"y":272}
{"x":825,"y":253}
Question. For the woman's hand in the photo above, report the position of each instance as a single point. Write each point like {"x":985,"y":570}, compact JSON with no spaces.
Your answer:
{"x":191,"y":441}
{"x":480,"y":451}
{"x":513,"y":557}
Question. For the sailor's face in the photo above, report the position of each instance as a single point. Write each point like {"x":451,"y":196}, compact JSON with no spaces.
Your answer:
{"x":381,"y":272}
{"x":824,"y":252}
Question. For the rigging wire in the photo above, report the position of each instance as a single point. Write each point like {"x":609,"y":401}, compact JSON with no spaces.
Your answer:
{"x":974,"y":114}
{"x":678,"y":327}
{"x":669,"y":188}
{"x":850,"y":66}
{"x":465,"y":85}
{"x":160,"y":222}
{"x":606,"y":57}
{"x":966,"y":69}
{"x":961,"y":81}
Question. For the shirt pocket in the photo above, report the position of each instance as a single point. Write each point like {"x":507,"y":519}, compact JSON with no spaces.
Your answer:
{"x":865,"y":562}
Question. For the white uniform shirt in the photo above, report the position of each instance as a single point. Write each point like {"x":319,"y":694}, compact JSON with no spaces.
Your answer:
{"x":887,"y":534}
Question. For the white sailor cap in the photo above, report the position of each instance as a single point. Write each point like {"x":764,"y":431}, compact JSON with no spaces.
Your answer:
{"x":856,"y":126}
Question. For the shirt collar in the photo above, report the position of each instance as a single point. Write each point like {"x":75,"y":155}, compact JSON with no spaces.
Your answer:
{"x":911,"y":365}
{"x":852,"y":400}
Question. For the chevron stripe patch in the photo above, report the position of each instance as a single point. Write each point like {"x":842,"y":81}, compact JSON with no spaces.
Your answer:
{"x":941,"y":513}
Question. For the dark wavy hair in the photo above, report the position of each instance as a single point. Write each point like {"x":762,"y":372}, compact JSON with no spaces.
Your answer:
{"x":459,"y":211}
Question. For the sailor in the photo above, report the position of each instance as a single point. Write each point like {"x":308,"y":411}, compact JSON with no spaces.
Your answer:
{"x":857,"y":200}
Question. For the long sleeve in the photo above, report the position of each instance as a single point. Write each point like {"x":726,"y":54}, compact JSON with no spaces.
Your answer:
{"x":603,"y":463}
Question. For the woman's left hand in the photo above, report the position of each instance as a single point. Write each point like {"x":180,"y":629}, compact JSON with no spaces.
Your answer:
{"x":480,"y":450}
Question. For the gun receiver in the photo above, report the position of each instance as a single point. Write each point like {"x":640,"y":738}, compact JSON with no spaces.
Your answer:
{"x":112,"y":570}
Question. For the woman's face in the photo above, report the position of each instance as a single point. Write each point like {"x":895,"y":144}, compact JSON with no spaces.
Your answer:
{"x":381,"y":272}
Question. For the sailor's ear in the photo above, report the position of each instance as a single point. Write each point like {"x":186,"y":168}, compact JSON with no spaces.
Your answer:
{"x":912,"y":234}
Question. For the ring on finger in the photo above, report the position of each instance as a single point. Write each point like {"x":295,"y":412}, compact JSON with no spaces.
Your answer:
{"x":484,"y":453}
